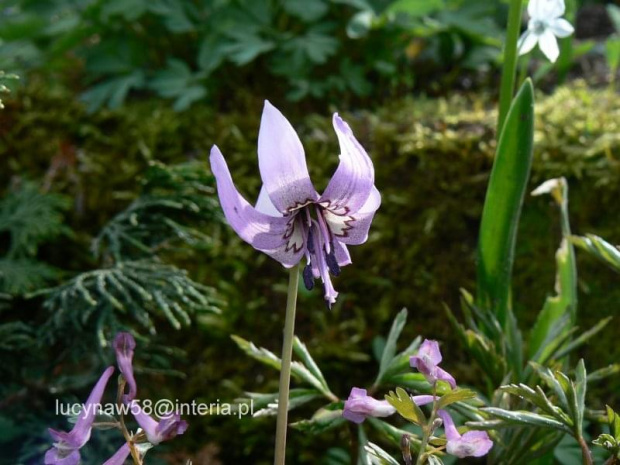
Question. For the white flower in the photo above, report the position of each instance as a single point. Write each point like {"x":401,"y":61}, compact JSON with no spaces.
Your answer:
{"x":545,"y":25}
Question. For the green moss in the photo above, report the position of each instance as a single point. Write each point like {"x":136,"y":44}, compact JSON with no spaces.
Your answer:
{"x":432,"y":161}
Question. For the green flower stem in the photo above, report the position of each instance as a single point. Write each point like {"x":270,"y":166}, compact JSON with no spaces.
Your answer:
{"x":428,"y":429}
{"x":132,"y":448}
{"x":285,"y":370}
{"x":510,"y":62}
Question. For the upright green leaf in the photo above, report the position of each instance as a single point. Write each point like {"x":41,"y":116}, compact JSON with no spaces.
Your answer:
{"x":502,"y":208}
{"x":389,"y":350}
{"x":565,"y":300}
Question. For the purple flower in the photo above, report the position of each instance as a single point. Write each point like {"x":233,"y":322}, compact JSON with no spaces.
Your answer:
{"x":120,"y":456}
{"x":470,"y":444}
{"x":158,"y":431}
{"x":66,"y":449}
{"x":291,"y":220}
{"x":359,"y":406}
{"x":124,"y":344}
{"x":427,"y":361}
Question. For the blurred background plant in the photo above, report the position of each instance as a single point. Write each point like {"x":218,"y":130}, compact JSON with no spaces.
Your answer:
{"x":187,"y":50}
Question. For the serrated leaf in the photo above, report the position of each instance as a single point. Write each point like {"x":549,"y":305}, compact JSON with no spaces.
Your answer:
{"x":405,"y":406}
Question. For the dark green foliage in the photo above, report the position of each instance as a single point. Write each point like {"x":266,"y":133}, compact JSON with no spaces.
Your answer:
{"x":28,"y":219}
{"x":136,"y":289}
{"x":188,"y":50}
{"x":176,"y":203}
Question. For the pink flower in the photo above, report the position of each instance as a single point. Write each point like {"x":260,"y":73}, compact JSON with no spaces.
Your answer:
{"x":359,"y":406}
{"x":427,"y":361}
{"x":470,"y":444}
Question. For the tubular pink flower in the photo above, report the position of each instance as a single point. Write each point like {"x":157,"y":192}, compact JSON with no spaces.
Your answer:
{"x":359,"y":406}
{"x":66,"y":449}
{"x":124,"y":345}
{"x":427,"y":360}
{"x":470,"y":444}
{"x":291,"y":221}
{"x":158,"y":431}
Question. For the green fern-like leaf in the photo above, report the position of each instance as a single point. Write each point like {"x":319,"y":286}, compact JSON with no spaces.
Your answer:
{"x":138,"y":290}
{"x":177,"y":203}
{"x":30,"y":218}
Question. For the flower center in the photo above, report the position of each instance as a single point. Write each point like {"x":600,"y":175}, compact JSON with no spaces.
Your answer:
{"x":320,"y":252}
{"x":538,"y":26}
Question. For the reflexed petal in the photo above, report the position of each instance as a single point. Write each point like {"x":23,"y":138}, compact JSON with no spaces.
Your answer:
{"x":561,"y":28}
{"x":80,"y":434}
{"x":342,"y":253}
{"x":282,"y":162}
{"x":549,"y":45}
{"x":265,"y":205}
{"x":354,"y":179}
{"x":281,"y":238}
{"x":124,"y":345}
{"x":119,"y":457}
{"x":353,"y":227}
{"x":527,"y":42}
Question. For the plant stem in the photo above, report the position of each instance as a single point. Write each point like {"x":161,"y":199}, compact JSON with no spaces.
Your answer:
{"x":132,"y":449}
{"x":428,"y":429}
{"x":285,"y":371}
{"x":585,"y":452}
{"x":510,"y":62}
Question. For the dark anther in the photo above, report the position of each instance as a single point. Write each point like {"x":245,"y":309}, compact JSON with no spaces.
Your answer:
{"x":332,"y":263}
{"x":310,"y":240}
{"x":308,"y":277}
